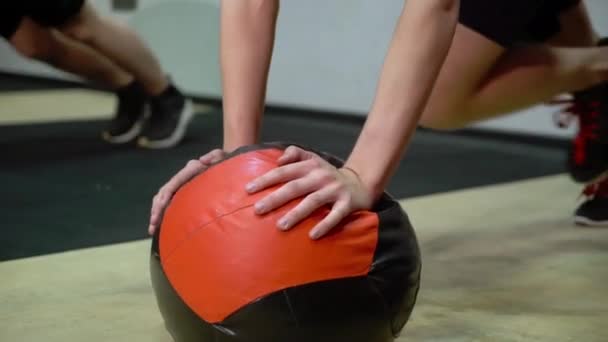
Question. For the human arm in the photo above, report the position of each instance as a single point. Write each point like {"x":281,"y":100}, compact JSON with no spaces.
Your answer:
{"x":247,"y":38}
{"x":417,"y":52}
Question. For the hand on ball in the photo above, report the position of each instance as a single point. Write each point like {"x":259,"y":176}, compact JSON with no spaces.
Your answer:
{"x":308,"y":176}
{"x":166,"y":192}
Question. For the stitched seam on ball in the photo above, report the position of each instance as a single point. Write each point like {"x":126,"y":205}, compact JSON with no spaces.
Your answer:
{"x":198,"y":229}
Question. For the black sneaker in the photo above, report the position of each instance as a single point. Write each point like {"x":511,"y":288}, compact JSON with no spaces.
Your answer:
{"x":594,"y":211}
{"x":170,"y":114}
{"x":588,"y":156}
{"x":131,"y":111}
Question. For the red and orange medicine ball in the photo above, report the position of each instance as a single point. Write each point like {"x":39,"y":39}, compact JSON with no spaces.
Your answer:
{"x":222,"y":273}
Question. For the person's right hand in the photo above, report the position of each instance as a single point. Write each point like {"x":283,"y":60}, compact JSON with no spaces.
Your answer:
{"x":166,"y":192}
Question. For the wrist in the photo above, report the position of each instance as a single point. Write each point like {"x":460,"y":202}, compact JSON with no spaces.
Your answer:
{"x":371,"y":182}
{"x":233,"y":144}
{"x":235,"y":137}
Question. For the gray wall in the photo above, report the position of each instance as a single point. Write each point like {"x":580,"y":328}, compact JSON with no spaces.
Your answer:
{"x":328,"y":53}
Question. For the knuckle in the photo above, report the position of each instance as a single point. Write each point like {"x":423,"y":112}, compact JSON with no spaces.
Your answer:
{"x":276,"y":173}
{"x":166,"y":188}
{"x":271,"y":200}
{"x":336,"y":191}
{"x":326,"y":175}
{"x":292,"y":149}
{"x":337,"y":186}
{"x":347,"y":198}
{"x":163,"y":196}
{"x":315,"y":199}
{"x":294,"y":186}
{"x":316,"y":161}
{"x":193,"y":163}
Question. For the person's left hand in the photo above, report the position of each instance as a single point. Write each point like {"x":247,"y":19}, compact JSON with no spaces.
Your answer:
{"x":307,"y":175}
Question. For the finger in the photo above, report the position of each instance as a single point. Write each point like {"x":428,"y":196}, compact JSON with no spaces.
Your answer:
{"x":293,"y":154}
{"x":212,"y":157}
{"x":158,"y":206}
{"x":304,"y":209}
{"x":161,"y":200}
{"x":154,"y":215}
{"x":278,"y":175}
{"x":158,"y":209}
{"x":340,"y":210}
{"x":286,"y":193}
{"x":155,"y":210}
{"x":192,"y":168}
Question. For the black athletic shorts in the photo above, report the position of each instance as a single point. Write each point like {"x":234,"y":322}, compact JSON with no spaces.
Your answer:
{"x":44,"y":12}
{"x":509,"y":22}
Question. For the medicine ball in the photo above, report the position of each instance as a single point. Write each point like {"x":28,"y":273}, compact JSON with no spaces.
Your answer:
{"x":222,"y":273}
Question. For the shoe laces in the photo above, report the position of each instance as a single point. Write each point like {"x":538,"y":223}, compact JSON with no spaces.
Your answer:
{"x":598,"y":189}
{"x":588,"y":115}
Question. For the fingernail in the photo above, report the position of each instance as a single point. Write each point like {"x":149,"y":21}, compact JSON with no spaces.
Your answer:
{"x":260,"y":207}
{"x":314,"y":235}
{"x":250,"y":187}
{"x":283,"y":224}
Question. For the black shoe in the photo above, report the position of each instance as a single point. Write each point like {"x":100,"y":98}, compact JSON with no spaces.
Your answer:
{"x":130,"y":114}
{"x":170,"y":114}
{"x":594,"y":211}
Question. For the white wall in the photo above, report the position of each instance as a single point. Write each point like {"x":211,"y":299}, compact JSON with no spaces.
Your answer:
{"x":328,"y":53}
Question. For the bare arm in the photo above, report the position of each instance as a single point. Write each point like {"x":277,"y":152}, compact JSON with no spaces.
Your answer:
{"x":247,"y":40}
{"x":419,"y":47}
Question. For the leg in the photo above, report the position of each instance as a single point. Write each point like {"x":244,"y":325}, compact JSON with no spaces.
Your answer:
{"x":499,"y":80}
{"x":170,"y":111}
{"x":51,"y":47}
{"x":577,"y":30}
{"x":120,"y":44}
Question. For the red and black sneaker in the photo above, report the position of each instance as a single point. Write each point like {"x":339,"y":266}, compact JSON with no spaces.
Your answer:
{"x":594,"y":211}
{"x":588,"y":156}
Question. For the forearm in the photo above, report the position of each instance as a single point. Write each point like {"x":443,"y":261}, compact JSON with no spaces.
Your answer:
{"x":247,"y":39}
{"x":420,"y":44}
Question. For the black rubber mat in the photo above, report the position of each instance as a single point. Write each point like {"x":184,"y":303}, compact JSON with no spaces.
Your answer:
{"x":63,"y":188}
{"x":16,"y":82}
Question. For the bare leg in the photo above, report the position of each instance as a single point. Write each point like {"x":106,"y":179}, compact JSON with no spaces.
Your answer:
{"x":496,"y":81}
{"x":54,"y":48}
{"x":536,"y":74}
{"x":120,"y":44}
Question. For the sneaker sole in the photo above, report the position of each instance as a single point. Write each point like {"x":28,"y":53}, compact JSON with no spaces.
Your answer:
{"x":178,"y":134}
{"x":130,"y":135}
{"x":586,"y":222}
